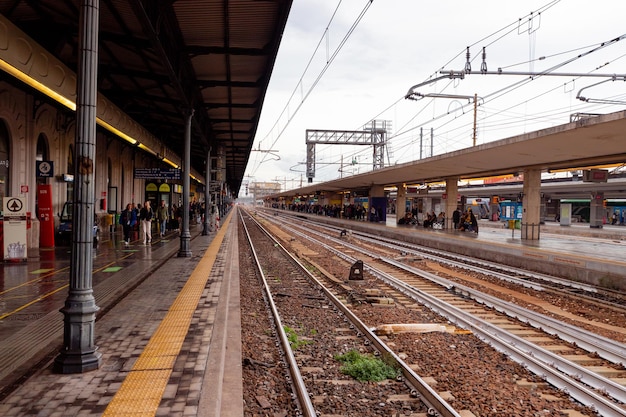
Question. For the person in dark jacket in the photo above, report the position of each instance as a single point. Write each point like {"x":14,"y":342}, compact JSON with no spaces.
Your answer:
{"x":161,"y":216}
{"x":456,"y":218}
{"x":473,"y":221}
{"x":145,"y":216}
{"x":128,"y":219}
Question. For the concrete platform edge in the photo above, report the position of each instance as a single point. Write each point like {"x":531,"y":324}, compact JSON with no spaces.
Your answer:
{"x":222,"y":389}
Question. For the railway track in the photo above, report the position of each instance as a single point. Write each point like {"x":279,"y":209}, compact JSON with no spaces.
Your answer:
{"x":585,"y":378}
{"x":315,"y":331}
{"x":586,"y":299}
{"x":599,"y":296}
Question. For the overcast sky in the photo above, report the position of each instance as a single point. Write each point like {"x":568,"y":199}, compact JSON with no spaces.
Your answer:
{"x":328,"y":78}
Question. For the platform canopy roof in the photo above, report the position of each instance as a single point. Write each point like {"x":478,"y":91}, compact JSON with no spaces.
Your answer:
{"x":588,"y":142}
{"x":159,"y":59}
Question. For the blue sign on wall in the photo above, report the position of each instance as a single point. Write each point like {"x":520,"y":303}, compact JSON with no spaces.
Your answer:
{"x":510,"y":210}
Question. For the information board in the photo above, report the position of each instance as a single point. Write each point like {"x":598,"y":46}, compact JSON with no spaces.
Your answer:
{"x":157,"y":173}
{"x":14,"y":230}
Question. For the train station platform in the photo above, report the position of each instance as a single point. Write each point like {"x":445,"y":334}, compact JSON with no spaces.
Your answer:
{"x":170,"y":339}
{"x":169,"y":329}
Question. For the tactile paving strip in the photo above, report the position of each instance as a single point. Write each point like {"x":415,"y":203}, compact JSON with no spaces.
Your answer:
{"x":142,"y":390}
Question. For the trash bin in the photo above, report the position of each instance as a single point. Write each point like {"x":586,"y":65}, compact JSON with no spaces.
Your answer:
{"x":511,"y":224}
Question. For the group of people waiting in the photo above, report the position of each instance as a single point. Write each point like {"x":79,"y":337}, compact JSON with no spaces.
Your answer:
{"x":348,"y":211}
{"x":432,"y":220}
{"x":463,"y":221}
{"x":142,"y":215}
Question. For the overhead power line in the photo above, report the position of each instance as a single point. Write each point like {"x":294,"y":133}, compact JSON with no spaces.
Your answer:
{"x":298,"y":87}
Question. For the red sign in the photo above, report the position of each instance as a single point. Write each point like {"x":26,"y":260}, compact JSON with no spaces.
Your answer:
{"x":23,"y":189}
{"x":46,"y":216}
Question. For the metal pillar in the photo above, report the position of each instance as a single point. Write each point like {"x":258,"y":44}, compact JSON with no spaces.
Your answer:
{"x":185,"y":236}
{"x":79,"y":353}
{"x":207,"y":196}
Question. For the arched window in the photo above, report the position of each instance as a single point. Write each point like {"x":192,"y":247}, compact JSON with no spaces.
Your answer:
{"x":4,"y":160}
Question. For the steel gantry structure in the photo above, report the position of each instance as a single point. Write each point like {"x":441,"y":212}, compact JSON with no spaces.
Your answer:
{"x":374,"y":134}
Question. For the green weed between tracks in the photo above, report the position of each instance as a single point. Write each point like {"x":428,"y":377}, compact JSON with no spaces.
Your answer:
{"x":367,"y":367}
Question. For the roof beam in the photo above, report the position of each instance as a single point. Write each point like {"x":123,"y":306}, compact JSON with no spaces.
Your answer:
{"x":184,"y":68}
{"x":253,"y":105}
{"x":223,"y":83}
{"x":197,"y":50}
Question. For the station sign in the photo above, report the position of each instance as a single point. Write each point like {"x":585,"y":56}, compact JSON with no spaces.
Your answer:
{"x":45,"y":169}
{"x":595,"y":175}
{"x":157,"y":173}
{"x":14,"y":207}
{"x":14,"y":228}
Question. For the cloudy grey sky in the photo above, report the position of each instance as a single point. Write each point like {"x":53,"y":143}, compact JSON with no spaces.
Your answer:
{"x":344,"y":63}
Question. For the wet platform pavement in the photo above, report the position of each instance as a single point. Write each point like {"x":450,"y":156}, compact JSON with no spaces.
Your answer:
{"x":608,"y":242}
{"x":136,"y":287}
{"x":139,"y":287}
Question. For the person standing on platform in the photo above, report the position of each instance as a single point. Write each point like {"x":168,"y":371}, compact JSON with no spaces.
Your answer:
{"x":178,"y":216}
{"x":145,"y":216}
{"x":128,"y":219}
{"x":161,"y":216}
{"x":456,"y":218}
{"x":473,"y":221}
{"x":137,"y":211}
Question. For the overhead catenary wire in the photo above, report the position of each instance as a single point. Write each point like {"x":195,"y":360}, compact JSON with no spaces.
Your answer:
{"x":498,"y":34}
{"x":508,"y":29}
{"x":516,"y":85}
{"x":329,"y":61}
{"x":445,"y":121}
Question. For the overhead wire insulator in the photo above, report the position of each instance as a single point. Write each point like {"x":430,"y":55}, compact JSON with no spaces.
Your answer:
{"x":468,"y":64}
{"x":483,"y":65}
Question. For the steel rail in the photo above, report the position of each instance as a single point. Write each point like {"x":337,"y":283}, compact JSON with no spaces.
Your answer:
{"x":444,"y":257}
{"x":304,"y":399}
{"x":495,"y":336}
{"x":518,"y":349}
{"x":606,"y":348}
{"x":429,"y":396}
{"x":574,"y":370}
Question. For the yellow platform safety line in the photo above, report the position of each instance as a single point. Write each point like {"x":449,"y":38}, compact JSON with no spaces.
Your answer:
{"x":141,"y":392}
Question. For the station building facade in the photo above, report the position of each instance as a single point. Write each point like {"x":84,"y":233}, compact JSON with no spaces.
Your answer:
{"x":37,"y":153}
